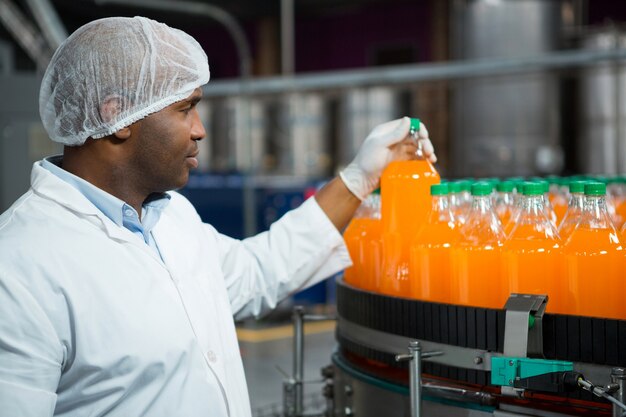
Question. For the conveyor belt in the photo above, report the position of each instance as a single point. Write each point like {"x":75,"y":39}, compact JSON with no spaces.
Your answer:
{"x":578,"y":339}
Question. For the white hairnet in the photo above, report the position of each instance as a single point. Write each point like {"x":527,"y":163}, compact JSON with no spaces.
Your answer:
{"x":114,"y":71}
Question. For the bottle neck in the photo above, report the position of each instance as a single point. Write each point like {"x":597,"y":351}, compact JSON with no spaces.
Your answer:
{"x":533,"y":204}
{"x":419,"y":152}
{"x":595,"y":213}
{"x":440,"y":209}
{"x":576,"y":201}
{"x":481,"y":203}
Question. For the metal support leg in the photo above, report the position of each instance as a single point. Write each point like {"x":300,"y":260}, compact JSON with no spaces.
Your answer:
{"x":298,"y":358}
{"x":618,"y":376}
{"x":415,"y":356}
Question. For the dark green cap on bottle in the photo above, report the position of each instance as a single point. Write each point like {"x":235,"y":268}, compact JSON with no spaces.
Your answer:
{"x":481,"y":188}
{"x":466,"y":185}
{"x":505,"y":186}
{"x":376,"y":191}
{"x":595,"y":188}
{"x":439,"y":189}
{"x":533,"y":188}
{"x":577,"y":186}
{"x":415,"y":126}
{"x":454,"y":187}
{"x":545,"y":184}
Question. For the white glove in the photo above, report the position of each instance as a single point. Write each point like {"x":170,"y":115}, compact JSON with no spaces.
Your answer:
{"x":362,"y":176}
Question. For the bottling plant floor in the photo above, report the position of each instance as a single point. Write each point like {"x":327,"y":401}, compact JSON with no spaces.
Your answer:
{"x":267,"y":345}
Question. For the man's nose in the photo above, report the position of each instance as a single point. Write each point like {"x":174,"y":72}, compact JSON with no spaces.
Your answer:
{"x":197,"y":128}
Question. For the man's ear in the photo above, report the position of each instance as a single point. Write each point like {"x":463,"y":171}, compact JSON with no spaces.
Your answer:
{"x":123,"y":133}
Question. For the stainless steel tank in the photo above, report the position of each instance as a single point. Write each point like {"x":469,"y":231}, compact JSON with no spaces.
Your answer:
{"x":601,"y":147}
{"x":505,"y":125}
{"x":302,"y":137}
{"x":237,"y":135}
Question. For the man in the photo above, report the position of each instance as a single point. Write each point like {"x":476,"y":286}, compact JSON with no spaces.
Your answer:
{"x":115,"y":299}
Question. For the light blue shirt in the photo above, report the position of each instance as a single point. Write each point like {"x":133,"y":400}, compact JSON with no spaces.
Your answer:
{"x":115,"y":209}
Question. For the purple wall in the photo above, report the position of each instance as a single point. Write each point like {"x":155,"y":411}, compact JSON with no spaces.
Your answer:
{"x":339,"y":40}
{"x":347,"y":40}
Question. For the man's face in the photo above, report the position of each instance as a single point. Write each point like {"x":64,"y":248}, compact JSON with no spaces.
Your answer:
{"x":165,"y":147}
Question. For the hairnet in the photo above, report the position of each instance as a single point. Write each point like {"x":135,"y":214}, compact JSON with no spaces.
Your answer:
{"x":114,"y":71}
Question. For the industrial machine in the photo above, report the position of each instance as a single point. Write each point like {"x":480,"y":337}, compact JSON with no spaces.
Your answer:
{"x":402,"y":357}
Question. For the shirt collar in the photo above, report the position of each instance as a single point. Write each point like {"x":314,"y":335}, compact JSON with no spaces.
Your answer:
{"x":108,"y":204}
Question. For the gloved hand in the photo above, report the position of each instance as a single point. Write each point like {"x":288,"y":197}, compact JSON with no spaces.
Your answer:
{"x":385,"y":144}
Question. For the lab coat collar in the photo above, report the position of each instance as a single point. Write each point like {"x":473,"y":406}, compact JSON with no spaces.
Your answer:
{"x":48,"y":185}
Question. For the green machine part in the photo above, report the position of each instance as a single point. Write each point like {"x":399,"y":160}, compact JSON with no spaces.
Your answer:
{"x":505,"y":370}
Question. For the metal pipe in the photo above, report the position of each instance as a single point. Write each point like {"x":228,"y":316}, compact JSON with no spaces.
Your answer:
{"x":298,"y":357}
{"x":287,"y":52}
{"x":402,"y":74}
{"x":49,"y":22}
{"x":618,"y":376}
{"x":415,"y":376}
{"x":202,"y":9}
{"x":24,"y":33}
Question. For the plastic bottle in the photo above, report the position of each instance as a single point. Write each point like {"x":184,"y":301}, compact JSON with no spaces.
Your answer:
{"x":531,"y":256}
{"x":546,"y":202}
{"x":476,"y":258}
{"x":574,"y":209}
{"x":405,"y":197}
{"x":615,"y":189}
{"x":362,"y":237}
{"x":517,"y":199}
{"x":504,"y":202}
{"x":595,"y":261}
{"x":457,"y":205}
{"x":430,"y":255}
{"x":558,"y":198}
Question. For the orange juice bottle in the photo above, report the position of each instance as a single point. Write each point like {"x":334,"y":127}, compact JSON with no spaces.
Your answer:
{"x":504,"y":202}
{"x":595,"y":260}
{"x":430,"y":255}
{"x":531,"y":256}
{"x":361,"y":237}
{"x":372,"y":245}
{"x":547,"y":205}
{"x":456,"y":202}
{"x":618,"y":194}
{"x":574,"y":209}
{"x":405,"y":200}
{"x":517,"y":198}
{"x":476,"y":258}
{"x":558,"y":198}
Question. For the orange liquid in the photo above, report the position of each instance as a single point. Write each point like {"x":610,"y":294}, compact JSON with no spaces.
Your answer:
{"x":595,"y":266}
{"x":431,"y":262}
{"x":531,"y":264}
{"x":405,"y":201}
{"x":476,"y":276}
{"x":362,"y":237}
{"x":560,"y":207}
{"x":620,"y":210}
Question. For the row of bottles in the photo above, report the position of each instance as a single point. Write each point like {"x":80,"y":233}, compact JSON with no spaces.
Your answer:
{"x":526,"y":237}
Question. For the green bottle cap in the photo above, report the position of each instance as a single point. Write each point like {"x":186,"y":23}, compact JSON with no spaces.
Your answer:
{"x":505,"y":186}
{"x":533,"y":188}
{"x":481,"y":188}
{"x":439,"y":189}
{"x":415,"y":126}
{"x":466,"y":185}
{"x":545,"y":184}
{"x":595,"y":188}
{"x":454,"y":187}
{"x":577,"y":186}
{"x":376,"y":191}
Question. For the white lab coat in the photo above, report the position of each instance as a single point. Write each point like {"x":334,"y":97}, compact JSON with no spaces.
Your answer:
{"x":93,"y":323}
